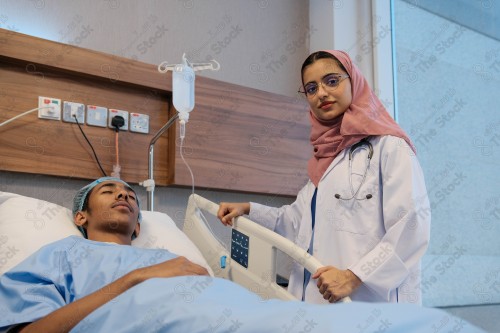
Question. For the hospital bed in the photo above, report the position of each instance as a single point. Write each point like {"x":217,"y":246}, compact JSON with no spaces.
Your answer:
{"x":216,"y":305}
{"x":28,"y":224}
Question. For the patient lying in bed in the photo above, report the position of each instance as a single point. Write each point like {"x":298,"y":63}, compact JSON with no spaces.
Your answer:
{"x":102,"y":284}
{"x":65,"y":281}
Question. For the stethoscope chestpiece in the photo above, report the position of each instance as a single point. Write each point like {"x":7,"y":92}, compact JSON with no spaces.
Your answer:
{"x":368,"y":196}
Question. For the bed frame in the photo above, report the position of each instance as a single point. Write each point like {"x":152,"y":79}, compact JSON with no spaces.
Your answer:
{"x":252,"y":261}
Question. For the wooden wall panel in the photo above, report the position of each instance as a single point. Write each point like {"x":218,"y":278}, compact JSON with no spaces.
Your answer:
{"x":247,"y":140}
{"x":238,"y":138}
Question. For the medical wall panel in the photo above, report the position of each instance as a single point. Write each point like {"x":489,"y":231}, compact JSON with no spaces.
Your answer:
{"x":32,"y":67}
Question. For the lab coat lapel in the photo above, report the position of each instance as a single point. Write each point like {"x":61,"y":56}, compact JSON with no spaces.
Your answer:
{"x":336,"y":161}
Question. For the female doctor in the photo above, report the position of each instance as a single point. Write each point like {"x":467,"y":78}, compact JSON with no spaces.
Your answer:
{"x":364,"y":213}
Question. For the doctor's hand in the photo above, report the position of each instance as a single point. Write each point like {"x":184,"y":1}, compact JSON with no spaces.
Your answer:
{"x":335,"y":284}
{"x":229,"y":210}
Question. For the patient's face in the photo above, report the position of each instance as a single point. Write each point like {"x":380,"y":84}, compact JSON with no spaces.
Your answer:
{"x":112,"y":206}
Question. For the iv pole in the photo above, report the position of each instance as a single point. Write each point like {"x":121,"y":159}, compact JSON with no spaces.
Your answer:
{"x":149,"y":183}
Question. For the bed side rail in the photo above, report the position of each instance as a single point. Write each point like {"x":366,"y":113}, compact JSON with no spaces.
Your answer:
{"x":254,"y":259}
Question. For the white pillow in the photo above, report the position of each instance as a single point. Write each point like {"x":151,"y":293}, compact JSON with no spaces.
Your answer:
{"x":26,"y":224}
{"x":158,"y":230}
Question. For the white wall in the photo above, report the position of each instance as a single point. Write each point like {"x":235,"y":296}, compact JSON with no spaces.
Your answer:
{"x":259,"y":44}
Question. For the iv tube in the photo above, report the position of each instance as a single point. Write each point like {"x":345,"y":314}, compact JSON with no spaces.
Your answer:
{"x":182,"y":131}
{"x":181,"y":149}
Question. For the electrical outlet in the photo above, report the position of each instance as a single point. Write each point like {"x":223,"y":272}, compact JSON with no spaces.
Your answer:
{"x":71,"y":109}
{"x":50,"y":108}
{"x":115,"y":112}
{"x":97,"y":116}
{"x":139,"y":123}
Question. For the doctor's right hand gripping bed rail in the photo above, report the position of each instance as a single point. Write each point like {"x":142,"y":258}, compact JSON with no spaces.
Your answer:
{"x":252,"y":261}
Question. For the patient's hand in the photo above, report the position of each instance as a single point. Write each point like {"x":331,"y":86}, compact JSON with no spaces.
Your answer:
{"x":179,"y":266}
{"x":335,"y":284}
{"x":229,"y":210}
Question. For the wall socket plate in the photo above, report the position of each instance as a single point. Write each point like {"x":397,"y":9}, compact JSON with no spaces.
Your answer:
{"x":139,"y":123}
{"x":97,"y":116}
{"x":51,"y":108}
{"x":72,"y":108}
{"x":115,"y":112}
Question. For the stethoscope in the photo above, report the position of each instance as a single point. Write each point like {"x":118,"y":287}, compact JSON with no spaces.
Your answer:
{"x":360,"y":144}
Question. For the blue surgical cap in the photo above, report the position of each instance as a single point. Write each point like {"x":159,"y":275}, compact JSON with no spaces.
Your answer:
{"x":82,"y":194}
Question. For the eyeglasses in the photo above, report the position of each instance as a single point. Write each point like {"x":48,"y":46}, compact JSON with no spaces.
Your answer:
{"x":330,"y":81}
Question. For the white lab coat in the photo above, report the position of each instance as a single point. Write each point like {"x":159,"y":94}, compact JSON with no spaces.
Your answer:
{"x":381,"y":240}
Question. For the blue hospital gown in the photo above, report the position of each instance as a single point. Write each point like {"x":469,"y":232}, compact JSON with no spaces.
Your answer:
{"x":65,"y":271}
{"x":72,"y":268}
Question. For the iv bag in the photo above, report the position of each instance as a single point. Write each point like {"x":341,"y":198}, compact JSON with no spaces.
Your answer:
{"x":183,"y":89}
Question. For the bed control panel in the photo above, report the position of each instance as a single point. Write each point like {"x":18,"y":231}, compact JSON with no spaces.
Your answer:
{"x":239,"y":248}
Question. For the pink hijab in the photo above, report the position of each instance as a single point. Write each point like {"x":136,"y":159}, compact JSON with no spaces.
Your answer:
{"x":366,"y":116}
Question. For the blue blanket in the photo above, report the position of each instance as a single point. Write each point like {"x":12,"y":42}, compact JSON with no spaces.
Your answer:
{"x":72,"y":268}
{"x":201,"y":304}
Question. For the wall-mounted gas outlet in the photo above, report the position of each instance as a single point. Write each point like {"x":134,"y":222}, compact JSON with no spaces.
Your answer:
{"x":71,"y":109}
{"x":50,"y":108}
{"x":115,"y":112}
